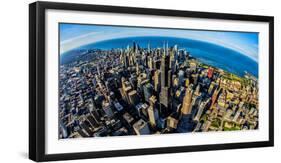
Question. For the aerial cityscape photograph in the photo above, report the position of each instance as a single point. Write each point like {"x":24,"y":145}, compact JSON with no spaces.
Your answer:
{"x":125,"y":80}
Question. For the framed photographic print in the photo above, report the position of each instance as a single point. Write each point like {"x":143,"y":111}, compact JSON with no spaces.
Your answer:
{"x":111,"y":81}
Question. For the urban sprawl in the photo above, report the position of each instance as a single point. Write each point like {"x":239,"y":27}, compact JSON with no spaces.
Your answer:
{"x":141,"y":91}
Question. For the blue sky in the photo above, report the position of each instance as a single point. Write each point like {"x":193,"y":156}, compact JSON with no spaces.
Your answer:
{"x":76,"y":35}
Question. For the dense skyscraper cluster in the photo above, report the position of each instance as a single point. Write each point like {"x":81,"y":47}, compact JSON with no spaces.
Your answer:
{"x":143,"y":90}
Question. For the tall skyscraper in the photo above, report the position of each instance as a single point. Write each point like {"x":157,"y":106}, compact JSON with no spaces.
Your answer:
{"x":164,"y":70}
{"x":147,"y":91}
{"x":137,"y":69}
{"x":170,"y":76}
{"x":214,"y":97}
{"x":157,"y":81}
{"x":165,"y":90}
{"x":126,"y":88}
{"x":152,"y":111}
{"x":150,"y":62}
{"x":197,"y":90}
{"x":200,"y":110}
{"x":186,"y":106}
{"x":181,"y":76}
{"x":165,"y":98}
{"x":125,"y":59}
{"x":186,"y":123}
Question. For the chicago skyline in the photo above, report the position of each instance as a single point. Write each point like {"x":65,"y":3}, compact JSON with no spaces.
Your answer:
{"x":144,"y":90}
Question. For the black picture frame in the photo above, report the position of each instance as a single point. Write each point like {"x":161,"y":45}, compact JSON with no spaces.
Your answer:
{"x":37,"y":79}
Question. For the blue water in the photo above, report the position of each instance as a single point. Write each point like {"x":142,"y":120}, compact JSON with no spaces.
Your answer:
{"x":215,"y":55}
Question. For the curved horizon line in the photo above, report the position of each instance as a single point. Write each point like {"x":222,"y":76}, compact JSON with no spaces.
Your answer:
{"x":198,"y":40}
